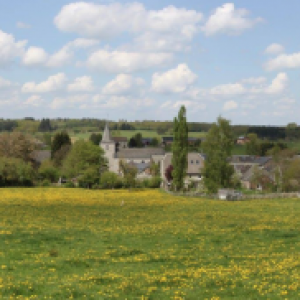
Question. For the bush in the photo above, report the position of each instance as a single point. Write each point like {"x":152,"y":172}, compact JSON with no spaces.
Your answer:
{"x":69,"y":184}
{"x":110,"y":180}
{"x":45,"y":182}
{"x":155,"y":182}
{"x":47,"y":171}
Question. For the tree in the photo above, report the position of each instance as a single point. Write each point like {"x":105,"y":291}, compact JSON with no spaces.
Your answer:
{"x":154,"y":142}
{"x":180,"y":149}
{"x":45,"y":125}
{"x":17,"y":145}
{"x":83,"y":157}
{"x":129,"y":173}
{"x":253,"y":146}
{"x":136,"y":141}
{"x":217,"y":147}
{"x":48,"y":171}
{"x":60,"y":139}
{"x":15,"y":172}
{"x":96,"y":138}
{"x":168,"y":173}
{"x":292,"y":131}
{"x":110,"y":180}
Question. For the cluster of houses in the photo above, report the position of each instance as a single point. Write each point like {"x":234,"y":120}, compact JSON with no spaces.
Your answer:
{"x":141,"y":158}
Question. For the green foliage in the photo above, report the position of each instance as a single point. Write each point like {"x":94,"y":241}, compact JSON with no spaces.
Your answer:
{"x":110,"y":180}
{"x":15,"y":172}
{"x":96,"y":138}
{"x":89,"y":177}
{"x":84,"y":159}
{"x":45,"y":125}
{"x":253,"y":146}
{"x":217,"y":147}
{"x":48,"y":171}
{"x":136,"y":141}
{"x":59,"y":140}
{"x":129,"y":174}
{"x":180,"y":149}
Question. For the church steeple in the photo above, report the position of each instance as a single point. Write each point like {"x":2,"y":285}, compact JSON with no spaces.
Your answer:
{"x":106,"y":138}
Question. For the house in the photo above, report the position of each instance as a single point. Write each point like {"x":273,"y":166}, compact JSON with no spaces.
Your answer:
{"x":194,"y":168}
{"x":247,"y":168}
{"x":39,"y":156}
{"x":121,"y":142}
{"x":242,"y":140}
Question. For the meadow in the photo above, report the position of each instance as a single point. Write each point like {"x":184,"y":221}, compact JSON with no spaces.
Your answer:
{"x":83,"y":244}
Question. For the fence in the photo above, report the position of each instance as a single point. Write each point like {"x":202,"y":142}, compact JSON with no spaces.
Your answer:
{"x":241,"y":198}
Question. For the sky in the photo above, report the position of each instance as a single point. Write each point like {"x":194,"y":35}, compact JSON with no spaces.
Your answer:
{"x":143,"y":60}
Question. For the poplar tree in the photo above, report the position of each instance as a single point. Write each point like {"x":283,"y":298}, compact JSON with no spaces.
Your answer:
{"x":217,"y":148}
{"x":180,"y":149}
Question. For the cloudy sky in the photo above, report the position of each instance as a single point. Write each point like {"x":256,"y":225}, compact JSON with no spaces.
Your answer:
{"x":142,"y":60}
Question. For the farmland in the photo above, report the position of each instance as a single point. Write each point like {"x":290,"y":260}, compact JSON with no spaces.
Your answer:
{"x":72,"y":243}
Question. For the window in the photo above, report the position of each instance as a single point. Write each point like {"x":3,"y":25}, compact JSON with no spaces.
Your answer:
{"x":192,"y":161}
{"x":197,"y":162}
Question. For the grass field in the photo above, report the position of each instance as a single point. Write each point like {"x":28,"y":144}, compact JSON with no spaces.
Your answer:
{"x":79,"y":244}
{"x":131,"y":133}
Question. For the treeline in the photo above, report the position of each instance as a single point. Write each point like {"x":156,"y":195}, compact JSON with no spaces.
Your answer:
{"x":291,"y":131}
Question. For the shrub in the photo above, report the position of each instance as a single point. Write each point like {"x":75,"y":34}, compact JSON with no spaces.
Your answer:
{"x":69,"y":184}
{"x":110,"y":180}
{"x":47,"y":171}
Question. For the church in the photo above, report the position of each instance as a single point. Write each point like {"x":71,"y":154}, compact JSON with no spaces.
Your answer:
{"x":142,"y":157}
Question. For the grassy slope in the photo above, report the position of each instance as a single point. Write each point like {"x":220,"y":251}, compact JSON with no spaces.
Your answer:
{"x":130,"y":133}
{"x":64,"y":242}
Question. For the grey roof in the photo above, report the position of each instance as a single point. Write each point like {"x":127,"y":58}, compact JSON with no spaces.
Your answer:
{"x":41,"y":155}
{"x":106,"y":138}
{"x":139,"y":153}
{"x":119,"y":139}
{"x":249,"y":159}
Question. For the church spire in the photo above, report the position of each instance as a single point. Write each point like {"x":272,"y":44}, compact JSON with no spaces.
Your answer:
{"x":106,"y":138}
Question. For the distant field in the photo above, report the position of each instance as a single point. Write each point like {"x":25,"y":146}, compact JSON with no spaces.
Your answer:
{"x":82,"y":244}
{"x":130,"y":133}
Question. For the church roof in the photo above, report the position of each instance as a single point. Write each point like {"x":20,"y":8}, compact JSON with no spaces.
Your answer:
{"x":139,"y":153}
{"x":106,"y":138}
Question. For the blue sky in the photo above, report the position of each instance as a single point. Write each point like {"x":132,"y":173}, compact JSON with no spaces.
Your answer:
{"x":142,"y":60}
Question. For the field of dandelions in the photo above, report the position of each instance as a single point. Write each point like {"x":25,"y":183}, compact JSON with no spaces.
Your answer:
{"x":80,"y":244}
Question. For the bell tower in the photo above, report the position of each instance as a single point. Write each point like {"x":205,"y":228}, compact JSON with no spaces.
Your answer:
{"x":109,"y":147}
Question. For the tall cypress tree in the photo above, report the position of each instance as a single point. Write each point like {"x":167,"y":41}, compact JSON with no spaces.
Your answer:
{"x":180,"y":149}
{"x":217,"y":147}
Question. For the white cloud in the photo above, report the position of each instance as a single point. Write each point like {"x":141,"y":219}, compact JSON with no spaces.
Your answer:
{"x":173,"y":81}
{"x":103,"y":21}
{"x":284,"y":61}
{"x":35,"y":56}
{"x":83,"y":43}
{"x":38,"y":57}
{"x":227,"y":19}
{"x":4,"y":84}
{"x":23,"y":25}
{"x":126,"y":62}
{"x":60,"y":58}
{"x":123,"y":84}
{"x":229,"y":89}
{"x":81,"y":84}
{"x":34,"y":100}
{"x":168,"y":29}
{"x":274,"y":49}
{"x":230,"y":105}
{"x":278,"y":85}
{"x":254,"y":80}
{"x":53,"y":83}
{"x":9,"y":48}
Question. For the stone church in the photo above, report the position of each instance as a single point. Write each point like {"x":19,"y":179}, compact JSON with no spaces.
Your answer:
{"x":142,"y":157}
